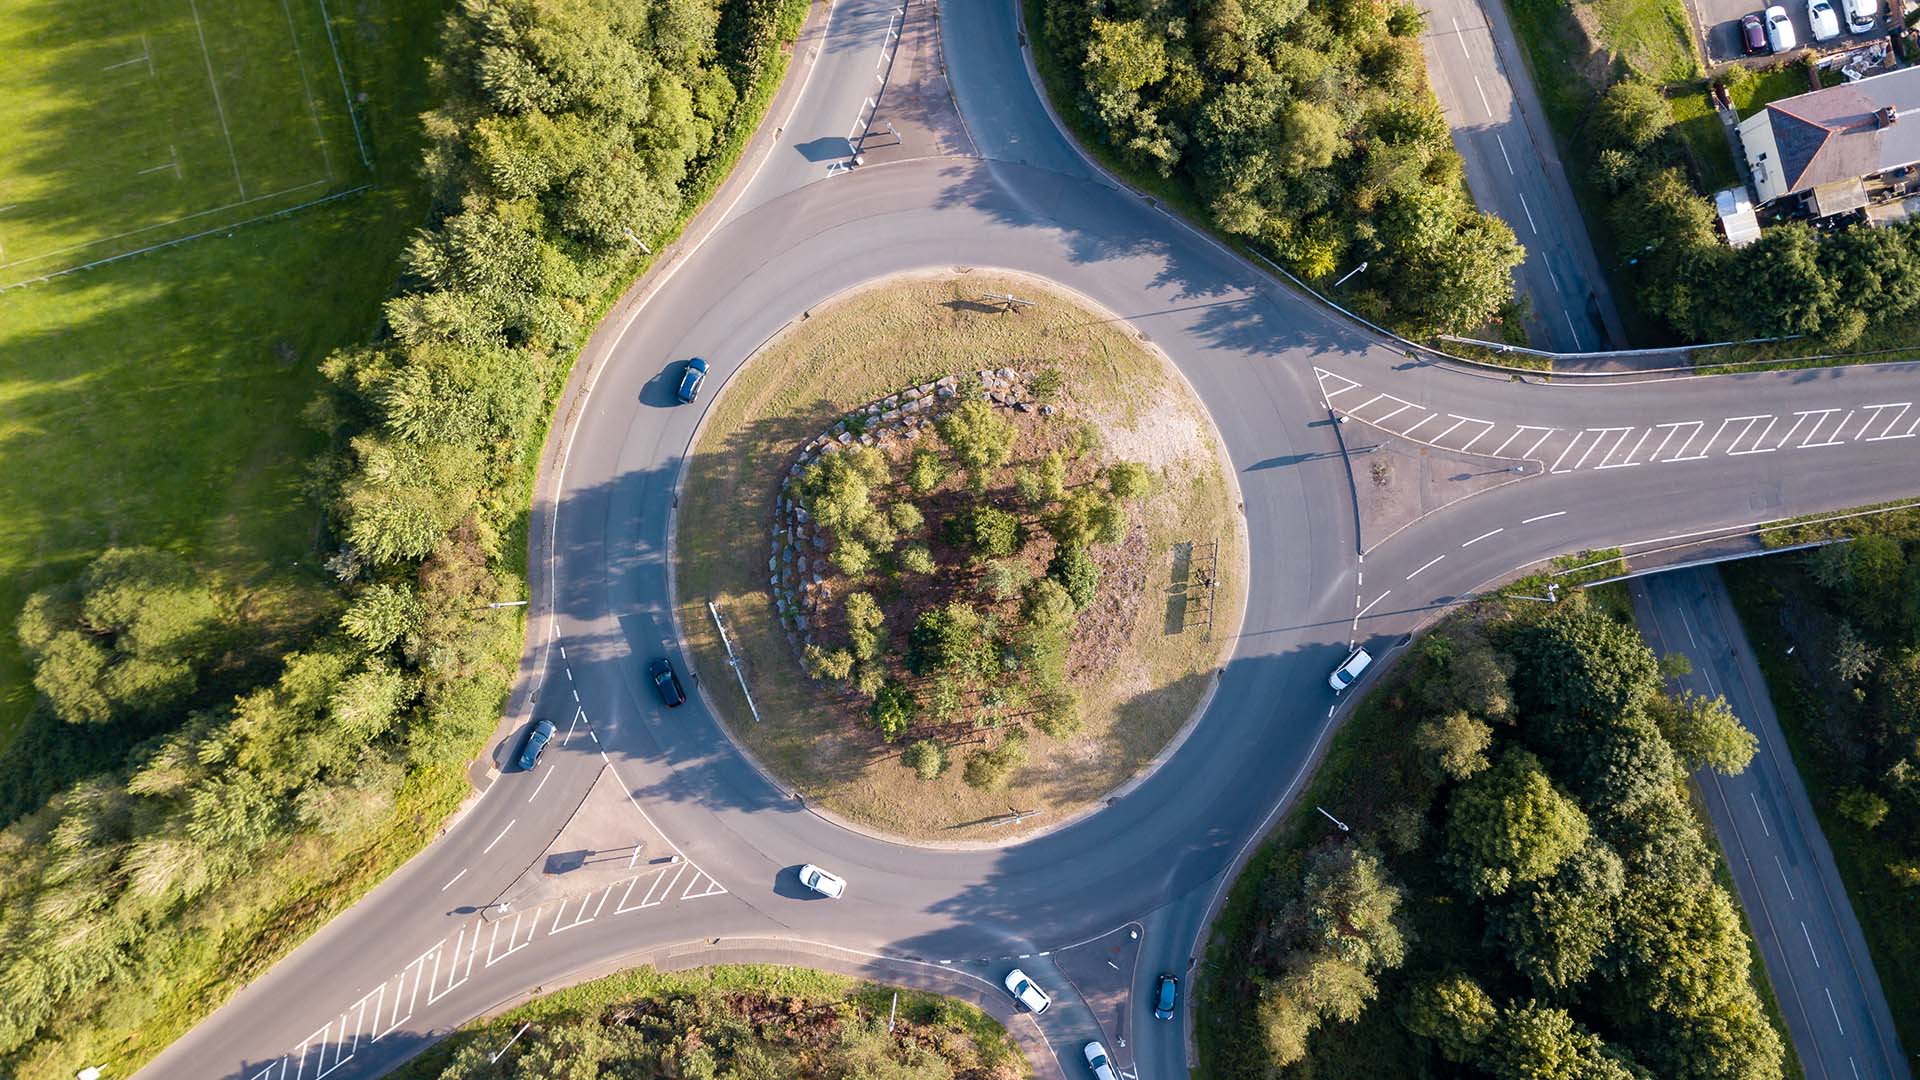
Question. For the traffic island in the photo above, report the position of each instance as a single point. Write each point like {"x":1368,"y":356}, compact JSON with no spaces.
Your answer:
{"x":977,"y":549}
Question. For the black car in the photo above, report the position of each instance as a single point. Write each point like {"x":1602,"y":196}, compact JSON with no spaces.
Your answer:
{"x":1166,"y":993}
{"x":537,"y":740}
{"x":672,"y":693}
{"x":1753,"y":34}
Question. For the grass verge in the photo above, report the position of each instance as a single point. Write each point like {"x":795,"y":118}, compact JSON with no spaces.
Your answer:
{"x":869,"y":344}
{"x":816,"y":1006}
{"x":222,"y":945}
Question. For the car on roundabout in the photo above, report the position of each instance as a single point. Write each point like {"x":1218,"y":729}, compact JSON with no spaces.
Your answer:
{"x":830,"y":885}
{"x":1344,"y":675}
{"x":667,"y":682}
{"x":1025,"y":992}
{"x":1166,"y":995}
{"x":691,"y":376}
{"x":1098,"y":1061}
{"x":537,"y":741}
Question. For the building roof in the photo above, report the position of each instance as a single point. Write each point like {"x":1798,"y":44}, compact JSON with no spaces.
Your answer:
{"x":1841,"y":133}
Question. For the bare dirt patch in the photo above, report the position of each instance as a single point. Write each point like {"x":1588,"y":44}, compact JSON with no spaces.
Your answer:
{"x":1141,"y":670}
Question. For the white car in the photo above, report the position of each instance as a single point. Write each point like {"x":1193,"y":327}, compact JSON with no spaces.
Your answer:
{"x":1344,"y":675}
{"x":831,"y":886}
{"x":1860,"y":15}
{"x":1025,"y":992}
{"x":1780,"y":36}
{"x":1097,"y":1061}
{"x":1820,"y":16}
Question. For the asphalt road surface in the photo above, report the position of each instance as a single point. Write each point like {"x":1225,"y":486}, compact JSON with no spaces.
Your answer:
{"x":430,"y":947}
{"x":1515,"y":173}
{"x":1782,"y":867}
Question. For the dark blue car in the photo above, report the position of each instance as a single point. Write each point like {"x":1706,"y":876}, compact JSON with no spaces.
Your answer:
{"x":537,"y":740}
{"x":691,"y":377}
{"x":1166,"y":993}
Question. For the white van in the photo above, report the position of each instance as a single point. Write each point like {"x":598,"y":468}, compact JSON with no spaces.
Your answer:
{"x":1346,"y":673}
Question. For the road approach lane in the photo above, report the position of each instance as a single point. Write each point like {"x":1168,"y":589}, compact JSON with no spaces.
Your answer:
{"x":1250,"y":349}
{"x":1805,"y":927}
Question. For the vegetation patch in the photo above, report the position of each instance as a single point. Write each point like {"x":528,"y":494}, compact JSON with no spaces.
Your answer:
{"x":1307,"y":133}
{"x":737,"y":1022}
{"x":1837,"y":632}
{"x":1524,"y":892}
{"x":975,"y":606}
{"x":256,"y":806}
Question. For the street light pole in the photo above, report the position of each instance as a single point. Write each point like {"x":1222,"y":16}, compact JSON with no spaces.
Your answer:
{"x":1348,"y":274}
{"x":1335,"y":820}
{"x":637,"y":242}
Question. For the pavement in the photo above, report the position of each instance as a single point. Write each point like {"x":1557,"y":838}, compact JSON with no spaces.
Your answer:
{"x":1782,"y":867}
{"x":423,"y":952}
{"x":1480,"y":76}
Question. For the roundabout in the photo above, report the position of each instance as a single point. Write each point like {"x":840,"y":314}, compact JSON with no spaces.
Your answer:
{"x":1276,"y":373}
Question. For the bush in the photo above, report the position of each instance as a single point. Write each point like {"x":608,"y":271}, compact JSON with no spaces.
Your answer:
{"x":989,"y":770}
{"x":852,"y":558}
{"x":988,"y":531}
{"x":916,"y":559}
{"x":893,"y":710}
{"x":1077,"y":573}
{"x":925,"y":471}
{"x":906,"y":518}
{"x":927,"y":759}
{"x":1059,"y":711}
{"x":1003,"y":580}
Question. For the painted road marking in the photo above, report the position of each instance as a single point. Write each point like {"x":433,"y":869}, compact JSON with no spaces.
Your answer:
{"x":1483,"y":536}
{"x":1836,"y":1012}
{"x":496,"y":839}
{"x":1503,"y":152}
{"x":1410,"y":431}
{"x":1835,"y":441}
{"x":1810,"y":949}
{"x":1759,"y":814}
{"x":1428,"y":563}
{"x":1903,"y":406}
{"x":1541,"y":517}
{"x":1483,"y":93}
{"x":543,"y":783}
{"x":456,"y":877}
{"x":1524,"y":208}
{"x":1369,"y":607}
{"x":1784,"y":880}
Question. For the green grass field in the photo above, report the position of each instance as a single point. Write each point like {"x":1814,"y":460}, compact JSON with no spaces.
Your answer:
{"x":136,"y":123}
{"x":156,"y":400}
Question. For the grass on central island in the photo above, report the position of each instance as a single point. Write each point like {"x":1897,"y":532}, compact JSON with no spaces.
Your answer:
{"x":884,"y":339}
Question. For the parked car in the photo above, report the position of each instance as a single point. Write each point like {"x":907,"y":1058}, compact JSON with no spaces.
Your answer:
{"x":537,"y":741}
{"x":1860,"y":14}
{"x":831,"y":886}
{"x":1753,"y":34}
{"x":1344,"y":675}
{"x":1820,"y":16}
{"x":672,"y":694}
{"x":1025,"y":992}
{"x":1166,"y":994}
{"x":1780,"y":35}
{"x":691,"y":376}
{"x":1098,"y":1062}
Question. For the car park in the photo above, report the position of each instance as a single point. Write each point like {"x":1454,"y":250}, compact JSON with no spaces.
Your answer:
{"x":831,"y":886}
{"x":1753,"y":34}
{"x":1780,"y":36}
{"x":1166,"y":994}
{"x":1821,"y":17}
{"x":1344,"y":675}
{"x":1025,"y":992}
{"x":1098,"y":1061}
{"x":1860,"y":15}
{"x":691,"y":376}
{"x":537,"y":741}
{"x":667,"y":682}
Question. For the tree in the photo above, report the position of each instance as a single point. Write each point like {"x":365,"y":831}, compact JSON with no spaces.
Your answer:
{"x":951,"y":640}
{"x":979,"y":438}
{"x":927,"y":759}
{"x":1862,"y":807}
{"x":916,"y":559}
{"x":1705,"y":733}
{"x":838,"y":489}
{"x":1617,"y":766}
{"x":1059,"y":711}
{"x":1045,"y":483}
{"x":382,"y":615}
{"x":1046,"y":603}
{"x":1077,"y":573}
{"x":124,"y":639}
{"x":990,"y":531}
{"x":852,"y":558}
{"x":1631,"y":116}
{"x":1853,"y":657}
{"x":1003,"y":580}
{"x":1455,"y":743}
{"x":1556,"y":930}
{"x":1455,"y":1013}
{"x":925,"y":471}
{"x":1461,"y":672}
{"x":1579,"y":661}
{"x":1535,"y":1042}
{"x":865,"y":625}
{"x":1509,"y":825}
{"x":1128,"y":480}
{"x":893,"y":710}
{"x":906,"y":518}
{"x":990,"y":769}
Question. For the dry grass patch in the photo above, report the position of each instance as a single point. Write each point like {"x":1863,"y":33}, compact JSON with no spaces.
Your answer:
{"x":866,"y":345}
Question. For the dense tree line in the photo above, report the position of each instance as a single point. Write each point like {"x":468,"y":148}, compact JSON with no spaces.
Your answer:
{"x":1307,"y":129}
{"x":954,"y":536}
{"x":716,"y":1035}
{"x":563,"y":127}
{"x":1832,"y":286}
{"x":1525,"y":887}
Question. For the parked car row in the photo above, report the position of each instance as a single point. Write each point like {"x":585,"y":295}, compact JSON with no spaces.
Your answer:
{"x":1772,"y":30}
